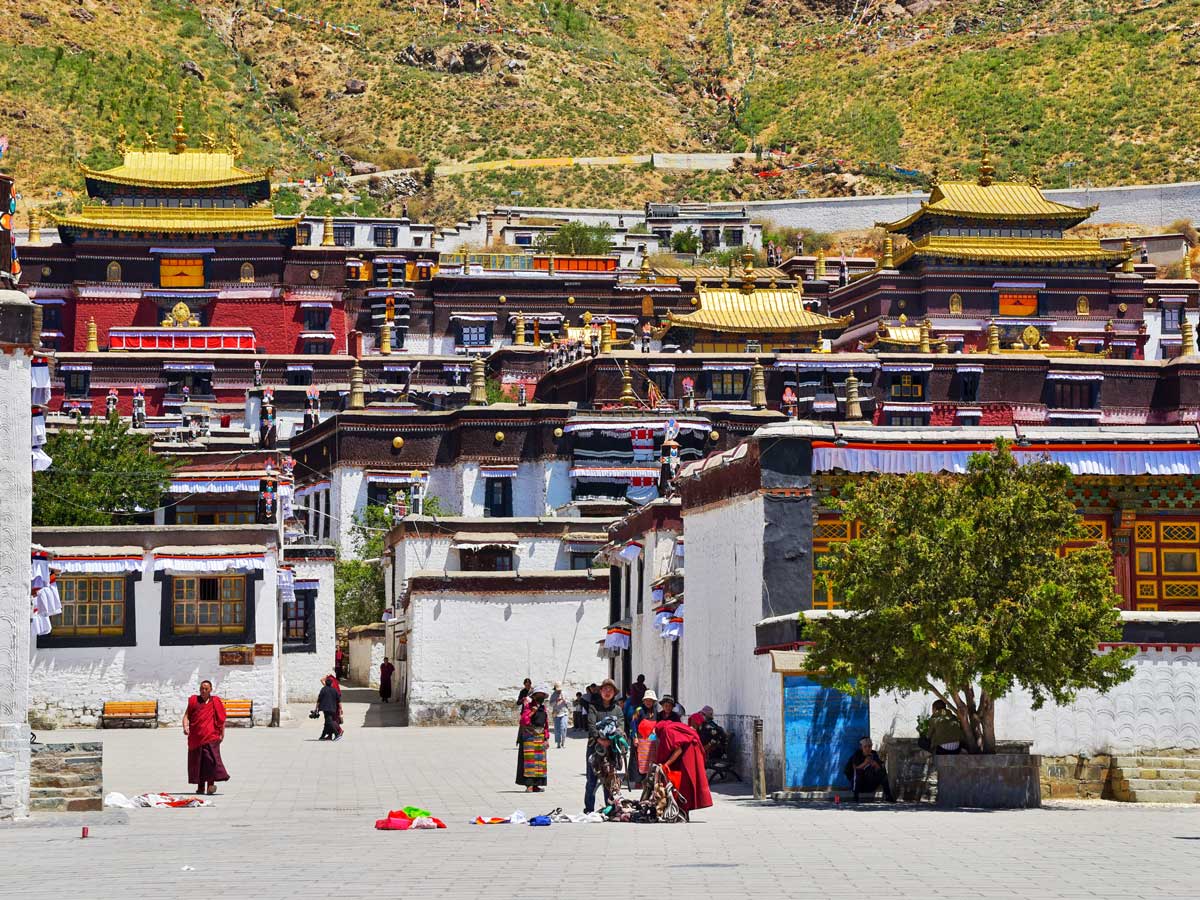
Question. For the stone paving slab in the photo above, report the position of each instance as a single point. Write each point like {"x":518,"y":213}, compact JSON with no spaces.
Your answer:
{"x":296,"y":820}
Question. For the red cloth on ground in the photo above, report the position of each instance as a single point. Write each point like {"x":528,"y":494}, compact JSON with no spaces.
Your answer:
{"x":398,"y":820}
{"x":206,"y":721}
{"x":693,"y":782}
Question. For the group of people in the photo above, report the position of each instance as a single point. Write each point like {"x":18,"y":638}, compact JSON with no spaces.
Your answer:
{"x":943,"y":735}
{"x":639,"y":734}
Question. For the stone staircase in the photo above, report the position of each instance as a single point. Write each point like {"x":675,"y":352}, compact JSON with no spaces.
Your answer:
{"x":1173,"y":776}
{"x":66,"y":777}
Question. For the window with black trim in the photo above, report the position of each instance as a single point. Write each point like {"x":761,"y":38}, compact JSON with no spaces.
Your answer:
{"x":490,"y":559}
{"x":299,"y":625}
{"x":379,"y":494}
{"x":343,"y":235}
{"x":316,"y":319}
{"x":1172,"y":318}
{"x":316,"y":348}
{"x":199,"y":384}
{"x":1073,"y":394}
{"x":299,"y":377}
{"x":77,"y":385}
{"x":384,"y":236}
{"x":664,"y":381}
{"x":498,"y":498}
{"x":208,"y":604}
{"x":906,"y":387}
{"x":910,"y":420}
{"x":581,"y":560}
{"x":303,"y":234}
{"x":51,"y":318}
{"x":641,"y":587}
{"x":474,"y":334}
{"x":727,"y":386}
{"x":968,"y":386}
{"x":91,"y":605}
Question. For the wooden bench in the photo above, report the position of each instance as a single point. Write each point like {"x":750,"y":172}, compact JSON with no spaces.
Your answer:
{"x":239,"y":709}
{"x":129,"y":711}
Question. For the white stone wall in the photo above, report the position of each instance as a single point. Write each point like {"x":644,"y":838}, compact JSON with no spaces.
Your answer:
{"x":468,"y":653}
{"x":69,"y":685}
{"x":15,"y":511}
{"x":652,"y":654}
{"x":302,"y":672}
{"x":347,"y":498}
{"x":366,"y":655}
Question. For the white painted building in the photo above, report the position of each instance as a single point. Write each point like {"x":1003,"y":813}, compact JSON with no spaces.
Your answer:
{"x":150,"y":611}
{"x":481,"y":604}
{"x":366,"y":233}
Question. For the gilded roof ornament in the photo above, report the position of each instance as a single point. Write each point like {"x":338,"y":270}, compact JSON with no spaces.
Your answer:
{"x":235,"y":149}
{"x":748,"y":272}
{"x":208,"y":141}
{"x":122,"y":140}
{"x":179,"y":135}
{"x":987,"y":173}
{"x":149,"y":142}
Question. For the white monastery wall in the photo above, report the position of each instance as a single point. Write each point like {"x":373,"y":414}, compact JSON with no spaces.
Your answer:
{"x":651,"y":653}
{"x":69,"y":685}
{"x":469,"y":653}
{"x":302,"y":672}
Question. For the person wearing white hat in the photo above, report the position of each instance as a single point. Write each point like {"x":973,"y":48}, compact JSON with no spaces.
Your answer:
{"x":642,"y":731}
{"x":559,"y":708}
{"x":533,"y":739}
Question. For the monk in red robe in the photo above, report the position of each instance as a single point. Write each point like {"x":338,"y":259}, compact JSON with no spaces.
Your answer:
{"x":678,"y":749}
{"x":204,"y":725}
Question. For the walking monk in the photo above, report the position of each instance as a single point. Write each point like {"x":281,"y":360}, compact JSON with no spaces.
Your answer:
{"x":204,"y":725}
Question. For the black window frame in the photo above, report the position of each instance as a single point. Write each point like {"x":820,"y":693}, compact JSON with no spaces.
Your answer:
{"x":308,"y":644}
{"x":581,"y":556}
{"x":343,"y":235}
{"x":51,"y":317}
{"x":316,"y":347}
{"x":127,"y":638}
{"x":727,"y":394}
{"x":71,"y":382}
{"x":316,"y":319}
{"x":490,"y":559}
{"x":907,"y":419}
{"x":195,"y":382}
{"x":463,"y":327}
{"x":913,"y":390}
{"x":389,"y":230}
{"x":500,"y":504}
{"x":166,"y":633}
{"x":1172,"y":318}
{"x":665,"y":382}
{"x":968,"y":387}
{"x":641,"y":586}
{"x":1073,"y":394}
{"x":298,"y":377}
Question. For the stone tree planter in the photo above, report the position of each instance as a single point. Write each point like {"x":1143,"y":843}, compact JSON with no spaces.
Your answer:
{"x":989,"y":781}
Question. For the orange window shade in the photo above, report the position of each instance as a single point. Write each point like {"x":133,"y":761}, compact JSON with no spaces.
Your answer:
{"x":1018,"y":303}
{"x":181,"y":273}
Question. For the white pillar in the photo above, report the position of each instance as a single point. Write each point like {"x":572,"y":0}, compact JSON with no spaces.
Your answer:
{"x":16,"y":328}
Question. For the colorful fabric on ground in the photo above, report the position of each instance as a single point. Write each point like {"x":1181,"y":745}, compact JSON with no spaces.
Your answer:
{"x":409,"y":818}
{"x":494,"y":820}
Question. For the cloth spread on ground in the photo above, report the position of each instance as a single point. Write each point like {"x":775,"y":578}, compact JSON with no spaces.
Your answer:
{"x":154,"y":801}
{"x":408,"y":819}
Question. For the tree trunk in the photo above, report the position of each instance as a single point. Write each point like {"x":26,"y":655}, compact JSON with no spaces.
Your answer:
{"x":963,"y":710}
{"x":987,"y":717}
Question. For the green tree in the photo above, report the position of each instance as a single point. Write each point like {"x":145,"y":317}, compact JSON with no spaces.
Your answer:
{"x":358,"y":587}
{"x":577,"y":239}
{"x":103,"y":473}
{"x":686,"y":241}
{"x":957,"y":585}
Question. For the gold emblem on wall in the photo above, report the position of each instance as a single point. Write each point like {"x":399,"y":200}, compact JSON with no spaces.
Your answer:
{"x":180,"y":317}
{"x":1031,"y":337}
{"x":1083,"y":307}
{"x":956,"y":304}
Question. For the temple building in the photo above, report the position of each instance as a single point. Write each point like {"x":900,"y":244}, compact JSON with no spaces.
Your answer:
{"x":989,"y":265}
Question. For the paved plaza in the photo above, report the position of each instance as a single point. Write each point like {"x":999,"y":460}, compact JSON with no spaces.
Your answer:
{"x":297,"y":820}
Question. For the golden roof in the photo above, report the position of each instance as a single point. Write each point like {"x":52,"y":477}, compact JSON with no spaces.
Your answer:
{"x":901,"y":335}
{"x":753,"y":312}
{"x":192,"y":168}
{"x":997,"y":200}
{"x":717,"y":273}
{"x":1010,"y":249}
{"x":174,"y":220}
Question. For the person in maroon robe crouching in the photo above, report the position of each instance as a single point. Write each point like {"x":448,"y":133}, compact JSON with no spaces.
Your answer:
{"x":204,"y":725}
{"x":681,"y":754}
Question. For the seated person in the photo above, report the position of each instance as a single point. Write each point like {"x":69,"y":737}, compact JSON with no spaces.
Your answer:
{"x":945,"y":734}
{"x":712,"y":737}
{"x":866,"y":773}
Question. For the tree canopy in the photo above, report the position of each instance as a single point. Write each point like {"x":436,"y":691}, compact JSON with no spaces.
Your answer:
{"x":577,"y":239}
{"x":959,"y":585}
{"x":103,"y":473}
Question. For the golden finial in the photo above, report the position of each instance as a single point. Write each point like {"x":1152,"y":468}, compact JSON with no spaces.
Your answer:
{"x":1127,"y":249}
{"x":478,"y":395}
{"x":586,"y":318}
{"x":889,"y":261}
{"x":993,"y":338}
{"x":327,"y":231}
{"x":1187,"y":262}
{"x":235,"y":149}
{"x":934,"y":177}
{"x":149,"y":142}
{"x":208,"y":141}
{"x":1036,"y":180}
{"x":758,"y":386}
{"x":122,"y":140}
{"x":627,"y":398}
{"x":358,"y":394}
{"x":35,"y":231}
{"x":853,"y":402}
{"x":926,"y":344}
{"x":93,"y":341}
{"x":179,"y":136}
{"x":903,"y":318}
{"x":819,"y":266}
{"x":519,"y":329}
{"x":987,"y":173}
{"x":747,"y":272}
{"x":645,"y":268}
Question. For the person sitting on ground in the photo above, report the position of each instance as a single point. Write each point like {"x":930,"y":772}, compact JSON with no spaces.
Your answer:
{"x":667,"y":711}
{"x":945,"y":733}
{"x":866,"y":773}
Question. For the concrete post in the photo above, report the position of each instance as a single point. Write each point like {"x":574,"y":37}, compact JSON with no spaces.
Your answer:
{"x":760,"y":765}
{"x":16,"y":338}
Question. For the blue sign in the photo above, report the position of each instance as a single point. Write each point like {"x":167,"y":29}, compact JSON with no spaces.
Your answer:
{"x":821,"y":728}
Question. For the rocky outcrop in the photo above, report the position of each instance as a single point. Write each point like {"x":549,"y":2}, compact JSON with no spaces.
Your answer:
{"x":471,"y":57}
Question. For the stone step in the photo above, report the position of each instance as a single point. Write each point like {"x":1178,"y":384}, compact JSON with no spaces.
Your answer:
{"x":82,"y":792}
{"x":1156,"y":762}
{"x":1157,"y":784}
{"x":1157,"y":796}
{"x":1148,"y":772}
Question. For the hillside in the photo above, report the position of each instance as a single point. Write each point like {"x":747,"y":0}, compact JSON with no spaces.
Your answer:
{"x":1064,"y":89}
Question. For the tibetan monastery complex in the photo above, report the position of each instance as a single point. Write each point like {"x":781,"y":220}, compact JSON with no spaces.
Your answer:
{"x":542,"y":433}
